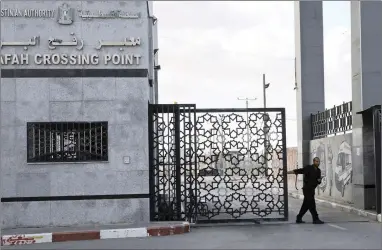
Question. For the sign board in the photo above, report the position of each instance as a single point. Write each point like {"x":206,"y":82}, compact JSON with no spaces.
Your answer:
{"x":68,"y":49}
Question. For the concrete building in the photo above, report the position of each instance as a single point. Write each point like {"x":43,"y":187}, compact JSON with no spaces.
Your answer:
{"x":77,"y":78}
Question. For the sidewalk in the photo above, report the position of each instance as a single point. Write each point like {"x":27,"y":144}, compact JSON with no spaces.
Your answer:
{"x":24,"y":236}
{"x":341,"y":207}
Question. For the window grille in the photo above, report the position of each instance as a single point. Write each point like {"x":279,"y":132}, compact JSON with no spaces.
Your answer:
{"x":67,"y":141}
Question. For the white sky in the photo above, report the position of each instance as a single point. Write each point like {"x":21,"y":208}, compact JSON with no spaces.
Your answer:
{"x":213,"y":52}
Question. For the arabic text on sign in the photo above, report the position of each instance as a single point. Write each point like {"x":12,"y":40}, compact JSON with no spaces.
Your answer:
{"x":127,"y":42}
{"x":112,"y":14}
{"x":70,"y":59}
{"x":27,"y":13}
{"x":32,"y":42}
{"x":54,"y":42}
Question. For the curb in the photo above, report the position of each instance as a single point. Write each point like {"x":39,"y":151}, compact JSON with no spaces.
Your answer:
{"x":345,"y":208}
{"x":26,"y":239}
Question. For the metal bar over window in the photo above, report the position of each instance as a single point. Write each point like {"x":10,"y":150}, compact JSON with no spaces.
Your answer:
{"x":67,"y":141}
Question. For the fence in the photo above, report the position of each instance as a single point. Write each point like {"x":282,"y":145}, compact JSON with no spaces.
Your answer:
{"x":332,"y":121}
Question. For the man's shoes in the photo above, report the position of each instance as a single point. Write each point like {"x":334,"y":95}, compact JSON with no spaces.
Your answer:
{"x":299,"y":221}
{"x":318,"y":221}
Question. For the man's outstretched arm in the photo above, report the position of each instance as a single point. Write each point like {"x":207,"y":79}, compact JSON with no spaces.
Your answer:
{"x":297,"y":171}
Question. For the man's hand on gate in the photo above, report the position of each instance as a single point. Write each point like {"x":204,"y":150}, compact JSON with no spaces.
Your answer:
{"x":298,"y":171}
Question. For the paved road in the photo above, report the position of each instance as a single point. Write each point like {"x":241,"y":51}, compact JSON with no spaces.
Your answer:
{"x":342,"y":231}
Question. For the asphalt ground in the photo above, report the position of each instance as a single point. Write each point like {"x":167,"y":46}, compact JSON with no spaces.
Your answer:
{"x":342,"y":230}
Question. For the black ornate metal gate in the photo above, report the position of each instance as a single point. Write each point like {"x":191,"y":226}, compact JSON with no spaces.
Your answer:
{"x":217,"y":165}
{"x":172,"y":160}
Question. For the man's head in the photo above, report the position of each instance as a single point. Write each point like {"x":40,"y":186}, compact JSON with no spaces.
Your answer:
{"x":316,"y":161}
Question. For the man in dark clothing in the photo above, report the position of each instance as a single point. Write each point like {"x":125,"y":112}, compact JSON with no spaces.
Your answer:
{"x":312,"y":178}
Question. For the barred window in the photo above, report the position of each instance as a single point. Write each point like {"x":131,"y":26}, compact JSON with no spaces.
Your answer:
{"x":67,"y":141}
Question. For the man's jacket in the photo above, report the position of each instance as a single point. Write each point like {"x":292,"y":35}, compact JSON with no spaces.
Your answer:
{"x":312,"y":176}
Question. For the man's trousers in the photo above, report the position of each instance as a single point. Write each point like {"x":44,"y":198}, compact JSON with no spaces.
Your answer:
{"x":308,"y":204}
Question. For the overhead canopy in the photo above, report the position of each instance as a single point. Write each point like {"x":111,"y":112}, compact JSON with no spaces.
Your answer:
{"x":371,"y":109}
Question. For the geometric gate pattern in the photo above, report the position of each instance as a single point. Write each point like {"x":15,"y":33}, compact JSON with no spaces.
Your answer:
{"x":217,"y":165}
{"x":172,"y":162}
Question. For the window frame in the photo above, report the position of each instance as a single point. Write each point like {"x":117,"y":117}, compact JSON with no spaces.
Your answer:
{"x":83,"y":144}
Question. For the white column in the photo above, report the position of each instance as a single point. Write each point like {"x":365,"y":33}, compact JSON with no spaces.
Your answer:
{"x":310,"y":92}
{"x":366,"y":43}
{"x":1,"y":165}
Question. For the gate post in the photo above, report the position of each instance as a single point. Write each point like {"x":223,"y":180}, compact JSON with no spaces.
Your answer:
{"x":178,"y":192}
{"x":285,"y":166}
{"x":377,"y":156}
{"x":151,"y":162}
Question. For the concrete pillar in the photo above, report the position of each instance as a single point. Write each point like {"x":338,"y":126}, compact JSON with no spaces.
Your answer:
{"x":366,"y":44}
{"x":310,"y":92}
{"x":1,"y":165}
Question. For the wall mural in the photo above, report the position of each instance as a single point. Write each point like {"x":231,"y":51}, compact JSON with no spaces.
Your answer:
{"x":344,"y":168}
{"x":292,"y":164}
{"x":320,"y":153}
{"x":336,"y":166}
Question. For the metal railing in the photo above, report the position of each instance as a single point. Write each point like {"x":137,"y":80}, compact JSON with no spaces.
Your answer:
{"x":332,"y":121}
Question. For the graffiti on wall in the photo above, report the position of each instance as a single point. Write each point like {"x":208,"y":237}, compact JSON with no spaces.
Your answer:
{"x":292,"y":158}
{"x":320,"y":152}
{"x":336,"y":166}
{"x":17,"y":240}
{"x":292,"y":164}
{"x":344,"y":168}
